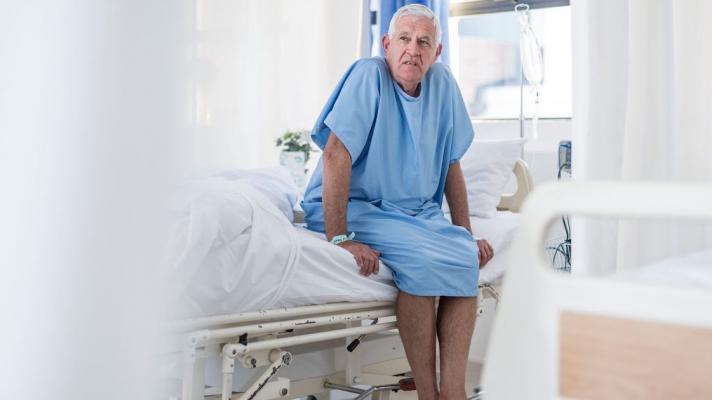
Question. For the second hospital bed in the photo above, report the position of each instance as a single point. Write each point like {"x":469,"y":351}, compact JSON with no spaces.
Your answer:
{"x":269,"y":314}
{"x":642,"y":333}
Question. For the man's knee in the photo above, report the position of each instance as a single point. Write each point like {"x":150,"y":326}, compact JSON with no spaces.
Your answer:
{"x":411,"y":305}
{"x":405,"y":298}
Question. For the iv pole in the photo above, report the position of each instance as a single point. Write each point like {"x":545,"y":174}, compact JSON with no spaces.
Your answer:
{"x":529,"y":54}
{"x":521,"y":102}
{"x":517,"y":8}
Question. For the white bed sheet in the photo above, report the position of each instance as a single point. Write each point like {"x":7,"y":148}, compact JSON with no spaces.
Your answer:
{"x":234,"y":251}
{"x":499,"y":232}
{"x":690,"y":271}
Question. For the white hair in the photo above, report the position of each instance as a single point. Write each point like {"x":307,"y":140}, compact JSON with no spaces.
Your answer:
{"x":418,"y":10}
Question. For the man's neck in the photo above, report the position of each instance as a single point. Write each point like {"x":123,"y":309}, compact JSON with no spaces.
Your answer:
{"x":410,"y":90}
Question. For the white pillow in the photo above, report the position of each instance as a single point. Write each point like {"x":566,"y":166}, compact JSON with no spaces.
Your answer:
{"x":275,"y":183}
{"x":487,"y":167}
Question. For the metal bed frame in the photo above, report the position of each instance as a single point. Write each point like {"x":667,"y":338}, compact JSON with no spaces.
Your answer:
{"x":263,"y":338}
{"x":268,"y":338}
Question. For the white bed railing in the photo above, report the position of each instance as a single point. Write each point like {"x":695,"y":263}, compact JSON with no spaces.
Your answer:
{"x":233,"y":339}
{"x":525,"y":342}
{"x":267,"y":315}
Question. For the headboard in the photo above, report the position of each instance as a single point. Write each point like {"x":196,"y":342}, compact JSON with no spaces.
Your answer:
{"x":525,"y":184}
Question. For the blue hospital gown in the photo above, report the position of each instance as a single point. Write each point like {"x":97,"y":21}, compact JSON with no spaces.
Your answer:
{"x":401,"y":148}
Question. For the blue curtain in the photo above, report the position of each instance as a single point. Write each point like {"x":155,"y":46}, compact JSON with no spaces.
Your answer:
{"x":439,"y":7}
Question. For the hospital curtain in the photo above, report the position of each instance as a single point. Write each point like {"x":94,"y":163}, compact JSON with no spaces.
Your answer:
{"x":642,"y":81}
{"x":92,"y":116}
{"x":440,"y":8}
{"x":263,"y":67}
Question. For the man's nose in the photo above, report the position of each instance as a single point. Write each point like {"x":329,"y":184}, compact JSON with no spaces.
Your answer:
{"x":412,"y":48}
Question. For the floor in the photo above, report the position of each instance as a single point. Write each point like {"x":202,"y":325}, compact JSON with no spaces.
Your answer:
{"x":472,"y":380}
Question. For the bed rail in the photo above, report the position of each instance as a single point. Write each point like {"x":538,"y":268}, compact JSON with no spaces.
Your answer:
{"x":537,"y":300}
{"x":190,"y":324}
{"x":251,"y":337}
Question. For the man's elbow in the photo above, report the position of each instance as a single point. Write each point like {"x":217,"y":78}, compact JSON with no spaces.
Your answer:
{"x":336,"y":155}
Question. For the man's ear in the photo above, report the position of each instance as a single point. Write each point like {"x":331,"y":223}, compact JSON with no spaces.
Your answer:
{"x":438,"y":50}
{"x":385,"y":42}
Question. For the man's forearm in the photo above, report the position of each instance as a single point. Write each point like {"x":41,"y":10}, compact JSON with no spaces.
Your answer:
{"x":337,"y":179}
{"x":456,"y":195}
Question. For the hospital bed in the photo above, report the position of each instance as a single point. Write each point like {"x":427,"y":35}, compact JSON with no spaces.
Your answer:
{"x":243,"y":332}
{"x":641,"y":334}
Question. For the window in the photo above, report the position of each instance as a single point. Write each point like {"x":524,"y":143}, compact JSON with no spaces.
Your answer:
{"x":484,"y":51}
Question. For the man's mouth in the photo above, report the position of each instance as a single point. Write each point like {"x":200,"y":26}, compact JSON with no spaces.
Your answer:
{"x":410,"y":62}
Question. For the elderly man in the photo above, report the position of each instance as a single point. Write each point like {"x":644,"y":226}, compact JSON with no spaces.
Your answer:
{"x":392,"y":132}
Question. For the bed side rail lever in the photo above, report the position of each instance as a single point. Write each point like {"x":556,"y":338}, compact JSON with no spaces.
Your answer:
{"x":354,"y":343}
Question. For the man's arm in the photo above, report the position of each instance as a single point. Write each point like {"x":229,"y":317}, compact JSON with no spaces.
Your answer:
{"x":336,"y":183}
{"x":456,"y":195}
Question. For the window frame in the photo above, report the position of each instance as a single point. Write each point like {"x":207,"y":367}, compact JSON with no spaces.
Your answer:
{"x":475,"y":7}
{"x":481,"y":7}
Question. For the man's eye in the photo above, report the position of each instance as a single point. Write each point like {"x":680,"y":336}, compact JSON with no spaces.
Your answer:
{"x":424,"y":43}
{"x":404,"y":38}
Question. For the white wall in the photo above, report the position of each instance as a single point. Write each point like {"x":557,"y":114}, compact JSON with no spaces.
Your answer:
{"x":262,"y":67}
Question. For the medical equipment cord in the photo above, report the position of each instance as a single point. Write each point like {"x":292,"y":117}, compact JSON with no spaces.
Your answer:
{"x":562,"y":251}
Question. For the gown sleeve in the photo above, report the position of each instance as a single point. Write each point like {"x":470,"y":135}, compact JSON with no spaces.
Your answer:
{"x":463,"y":133}
{"x":351,"y":109}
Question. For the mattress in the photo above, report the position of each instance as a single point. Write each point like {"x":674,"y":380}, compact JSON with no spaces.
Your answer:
{"x":693,"y":270}
{"x":234,"y":251}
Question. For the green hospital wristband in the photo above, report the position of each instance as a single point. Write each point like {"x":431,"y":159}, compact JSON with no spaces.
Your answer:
{"x":338,"y":239}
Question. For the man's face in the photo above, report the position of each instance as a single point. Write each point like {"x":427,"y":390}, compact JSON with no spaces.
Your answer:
{"x":411,"y":50}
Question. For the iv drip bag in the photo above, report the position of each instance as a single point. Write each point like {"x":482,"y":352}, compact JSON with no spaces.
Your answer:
{"x":529,"y":50}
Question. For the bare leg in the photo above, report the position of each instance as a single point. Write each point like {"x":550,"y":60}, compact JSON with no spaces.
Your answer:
{"x":456,"y":321}
{"x":416,"y":323}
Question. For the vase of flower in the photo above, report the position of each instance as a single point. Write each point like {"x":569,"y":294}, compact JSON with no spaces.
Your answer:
{"x":295,"y":150}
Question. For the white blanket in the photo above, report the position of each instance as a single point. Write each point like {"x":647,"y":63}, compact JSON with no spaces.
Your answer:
{"x":234,"y":251}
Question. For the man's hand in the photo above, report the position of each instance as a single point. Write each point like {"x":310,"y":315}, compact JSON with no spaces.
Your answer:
{"x":366,"y":257}
{"x":486,"y":252}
